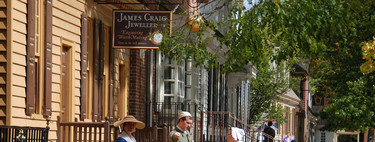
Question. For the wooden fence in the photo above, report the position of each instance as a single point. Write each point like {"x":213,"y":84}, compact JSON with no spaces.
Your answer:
{"x":23,"y":134}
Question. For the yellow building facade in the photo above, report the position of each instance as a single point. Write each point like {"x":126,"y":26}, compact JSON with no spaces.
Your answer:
{"x":56,"y":60}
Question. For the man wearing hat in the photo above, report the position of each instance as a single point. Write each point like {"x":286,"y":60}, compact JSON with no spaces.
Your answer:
{"x":181,"y":132}
{"x":129,"y":124}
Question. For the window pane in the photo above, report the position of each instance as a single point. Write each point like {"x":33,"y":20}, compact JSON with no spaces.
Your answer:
{"x":188,"y":93}
{"x":196,"y":93}
{"x":181,"y":89}
{"x":169,"y":73}
{"x":167,"y":102}
{"x":168,"y":87}
{"x":168,"y":99}
{"x":36,"y":45}
{"x":181,"y":74}
{"x":37,"y":8}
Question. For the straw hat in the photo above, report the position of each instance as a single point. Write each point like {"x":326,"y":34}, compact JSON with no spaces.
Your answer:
{"x":130,"y":118}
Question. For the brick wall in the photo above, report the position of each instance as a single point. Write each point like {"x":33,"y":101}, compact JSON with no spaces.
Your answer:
{"x":137,"y":85}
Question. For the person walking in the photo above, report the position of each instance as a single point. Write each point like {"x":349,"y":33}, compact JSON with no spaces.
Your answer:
{"x":181,"y":131}
{"x":288,"y":138}
{"x":270,"y":132}
{"x":129,"y":125}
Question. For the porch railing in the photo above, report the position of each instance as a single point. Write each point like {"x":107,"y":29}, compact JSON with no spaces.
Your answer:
{"x":23,"y":134}
{"x":86,"y":131}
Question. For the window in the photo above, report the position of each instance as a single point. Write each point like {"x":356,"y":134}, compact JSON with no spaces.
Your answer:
{"x":90,"y":47}
{"x":39,"y":50}
{"x":192,"y":81}
{"x":174,"y":81}
{"x":39,"y":57}
{"x":105,"y":77}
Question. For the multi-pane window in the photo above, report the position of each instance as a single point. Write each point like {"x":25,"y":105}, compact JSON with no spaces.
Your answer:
{"x":192,"y":81}
{"x":174,"y":81}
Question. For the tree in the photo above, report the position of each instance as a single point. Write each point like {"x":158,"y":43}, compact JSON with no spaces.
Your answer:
{"x":369,"y":55}
{"x":330,"y":33}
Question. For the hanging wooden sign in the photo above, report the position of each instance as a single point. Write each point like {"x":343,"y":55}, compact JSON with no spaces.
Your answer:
{"x":140,"y":29}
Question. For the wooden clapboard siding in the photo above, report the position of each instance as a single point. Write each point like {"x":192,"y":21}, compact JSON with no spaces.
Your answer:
{"x":56,"y":44}
{"x":19,"y":81}
{"x":19,"y":70}
{"x":3,"y":24}
{"x":19,"y":59}
{"x":56,"y":78}
{"x":4,"y":81}
{"x":56,"y":88}
{"x":3,"y":46}
{"x":62,"y":23}
{"x":73,"y":5}
{"x":18,"y":37}
{"x":56,"y":60}
{"x":71,"y":10}
{"x":18,"y":91}
{"x":3,"y":69}
{"x":20,"y":6}
{"x":63,"y":14}
{"x":66,"y":34}
{"x":56,"y":69}
{"x":19,"y":16}
{"x":20,"y":27}
{"x":20,"y":121}
{"x":18,"y":48}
